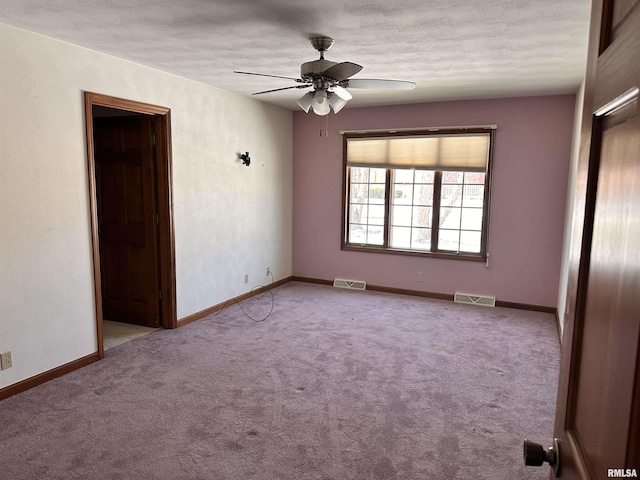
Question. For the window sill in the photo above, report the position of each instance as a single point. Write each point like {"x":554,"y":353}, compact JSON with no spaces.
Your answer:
{"x":474,"y":257}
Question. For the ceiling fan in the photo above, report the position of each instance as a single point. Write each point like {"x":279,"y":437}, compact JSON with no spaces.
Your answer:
{"x":330,"y":81}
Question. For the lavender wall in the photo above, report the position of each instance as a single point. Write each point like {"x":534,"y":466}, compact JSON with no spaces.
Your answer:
{"x":531,"y":164}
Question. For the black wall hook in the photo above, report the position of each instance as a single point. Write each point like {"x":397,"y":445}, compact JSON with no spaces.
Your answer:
{"x":246,"y":159}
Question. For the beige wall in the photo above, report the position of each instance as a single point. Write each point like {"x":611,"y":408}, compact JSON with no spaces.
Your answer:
{"x":229,"y":219}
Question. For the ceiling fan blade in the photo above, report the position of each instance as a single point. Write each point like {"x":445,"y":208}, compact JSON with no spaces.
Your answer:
{"x":342,"y":71}
{"x":267,"y":75}
{"x":379,"y":84}
{"x":283,"y":88}
{"x":342,"y":92}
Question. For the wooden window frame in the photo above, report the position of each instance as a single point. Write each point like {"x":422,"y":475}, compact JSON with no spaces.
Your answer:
{"x":435,"y":227}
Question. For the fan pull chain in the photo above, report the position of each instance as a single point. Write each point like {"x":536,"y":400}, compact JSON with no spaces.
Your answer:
{"x":326,"y":127}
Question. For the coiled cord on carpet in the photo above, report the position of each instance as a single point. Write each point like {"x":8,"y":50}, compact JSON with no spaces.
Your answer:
{"x":254,"y":297}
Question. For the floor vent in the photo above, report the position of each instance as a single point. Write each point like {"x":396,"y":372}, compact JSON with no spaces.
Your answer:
{"x":350,"y":284}
{"x":475,"y":299}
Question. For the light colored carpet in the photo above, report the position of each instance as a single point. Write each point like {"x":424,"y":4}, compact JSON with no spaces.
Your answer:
{"x":333,"y":385}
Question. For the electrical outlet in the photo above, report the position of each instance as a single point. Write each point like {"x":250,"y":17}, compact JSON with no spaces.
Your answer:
{"x":419,"y":277}
{"x":246,"y":278}
{"x":268,"y":271}
{"x":5,"y":360}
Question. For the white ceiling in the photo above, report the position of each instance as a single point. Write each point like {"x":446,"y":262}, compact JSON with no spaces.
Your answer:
{"x":452,"y":49}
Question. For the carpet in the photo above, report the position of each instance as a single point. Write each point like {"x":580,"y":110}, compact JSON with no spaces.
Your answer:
{"x":332,"y":385}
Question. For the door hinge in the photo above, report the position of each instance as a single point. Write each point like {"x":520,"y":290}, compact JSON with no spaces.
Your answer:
{"x":153,"y":139}
{"x":157,"y":219}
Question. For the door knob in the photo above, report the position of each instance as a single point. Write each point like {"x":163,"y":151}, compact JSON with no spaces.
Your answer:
{"x":535,"y":455}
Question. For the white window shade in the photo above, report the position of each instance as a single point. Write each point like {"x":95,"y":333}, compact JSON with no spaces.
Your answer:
{"x":462,"y":152}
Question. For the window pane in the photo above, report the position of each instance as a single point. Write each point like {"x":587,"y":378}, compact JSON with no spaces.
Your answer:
{"x":452,"y":177}
{"x":422,"y":216}
{"x":359,"y":193}
{"x":470,"y":241}
{"x":450,"y":218}
{"x":448,"y":240}
{"x":366,"y":206}
{"x":423,"y":195}
{"x":400,"y":237}
{"x":358,"y":213}
{"x":378,"y":175}
{"x":401,"y":215}
{"x":403,"y":176}
{"x":359,"y":175}
{"x":402,"y":194}
{"x":376,"y":193}
{"x":357,"y":234}
{"x":474,"y":177}
{"x":471,"y":219}
{"x":473,"y":196}
{"x":424,"y":176}
{"x":376,"y":215}
{"x":411,"y":210}
{"x":451,"y":195}
{"x":421,"y":238}
{"x":375,"y":235}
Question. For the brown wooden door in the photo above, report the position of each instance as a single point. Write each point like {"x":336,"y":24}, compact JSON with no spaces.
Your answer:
{"x":125,"y":179}
{"x":598,"y":410}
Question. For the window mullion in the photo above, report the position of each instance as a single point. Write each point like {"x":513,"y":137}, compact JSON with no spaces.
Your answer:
{"x":387,"y":208}
{"x":461,"y":211}
{"x":346,"y":207}
{"x":435,"y":218}
{"x":413,"y":200}
{"x":485,"y":213}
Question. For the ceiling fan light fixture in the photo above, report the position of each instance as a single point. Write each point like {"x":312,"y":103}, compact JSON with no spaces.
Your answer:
{"x":342,"y":92}
{"x":320,"y":103}
{"x":305,"y":101}
{"x":337,"y":102}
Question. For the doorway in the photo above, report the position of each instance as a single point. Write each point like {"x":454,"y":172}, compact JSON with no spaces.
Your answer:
{"x":128,"y":150}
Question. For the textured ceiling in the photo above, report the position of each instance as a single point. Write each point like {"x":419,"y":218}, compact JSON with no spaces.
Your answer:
{"x":451,"y":49}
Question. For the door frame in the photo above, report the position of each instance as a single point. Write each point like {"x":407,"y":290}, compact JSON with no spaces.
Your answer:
{"x":585,"y":197}
{"x":166,"y":244}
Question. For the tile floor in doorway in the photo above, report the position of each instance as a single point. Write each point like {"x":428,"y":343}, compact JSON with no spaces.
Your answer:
{"x":116,"y":333}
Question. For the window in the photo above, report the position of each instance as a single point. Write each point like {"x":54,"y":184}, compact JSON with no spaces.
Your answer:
{"x":418,"y":192}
